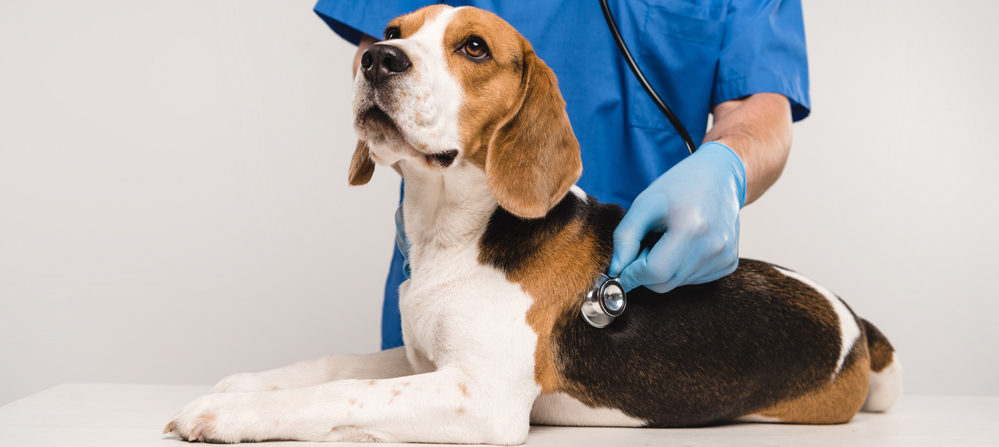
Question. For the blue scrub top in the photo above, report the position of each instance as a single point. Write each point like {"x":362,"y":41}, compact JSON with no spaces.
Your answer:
{"x":696,"y":53}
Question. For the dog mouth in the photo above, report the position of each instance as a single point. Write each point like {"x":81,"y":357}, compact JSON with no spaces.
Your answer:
{"x":380,"y":128}
{"x":376,"y":119}
{"x":443,"y":159}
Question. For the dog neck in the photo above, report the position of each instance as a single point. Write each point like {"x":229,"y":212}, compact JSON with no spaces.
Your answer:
{"x":444,"y":212}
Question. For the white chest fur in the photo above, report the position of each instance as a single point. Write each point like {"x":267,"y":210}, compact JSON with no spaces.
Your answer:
{"x":455,"y":309}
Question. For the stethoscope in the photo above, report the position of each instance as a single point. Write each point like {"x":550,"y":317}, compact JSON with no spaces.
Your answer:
{"x":607,"y":299}
{"x":605,"y":302}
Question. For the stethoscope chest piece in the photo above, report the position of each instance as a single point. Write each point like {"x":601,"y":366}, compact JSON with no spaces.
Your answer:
{"x":604,"y":302}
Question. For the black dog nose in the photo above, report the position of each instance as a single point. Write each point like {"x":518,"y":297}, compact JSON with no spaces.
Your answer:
{"x":380,"y":61}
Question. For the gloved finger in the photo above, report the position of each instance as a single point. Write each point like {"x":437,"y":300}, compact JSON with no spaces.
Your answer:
{"x":628,"y":283}
{"x":645,"y":253}
{"x":661,"y":264}
{"x":647,"y":214}
{"x":687,"y":261}
{"x":702,"y":260}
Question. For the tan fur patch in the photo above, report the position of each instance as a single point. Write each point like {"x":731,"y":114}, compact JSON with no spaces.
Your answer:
{"x":533,"y":156}
{"x":556,"y":276}
{"x":490,"y":87}
{"x":834,"y":403}
{"x":514,"y":123}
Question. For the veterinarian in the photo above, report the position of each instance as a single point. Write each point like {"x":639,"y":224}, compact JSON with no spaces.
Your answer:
{"x":743,"y":62}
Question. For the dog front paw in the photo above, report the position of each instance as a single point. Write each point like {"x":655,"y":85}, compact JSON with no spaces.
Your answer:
{"x":221,"y":418}
{"x":243,"y":382}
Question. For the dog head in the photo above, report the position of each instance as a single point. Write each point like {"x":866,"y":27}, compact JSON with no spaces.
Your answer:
{"x":459,"y":87}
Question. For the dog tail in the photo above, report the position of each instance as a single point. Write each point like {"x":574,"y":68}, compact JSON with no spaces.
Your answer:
{"x":885,"y":383}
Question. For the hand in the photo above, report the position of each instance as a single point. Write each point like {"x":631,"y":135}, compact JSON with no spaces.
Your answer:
{"x":696,"y":205}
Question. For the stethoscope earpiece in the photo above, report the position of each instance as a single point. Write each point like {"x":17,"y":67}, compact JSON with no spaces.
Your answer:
{"x":604,"y":302}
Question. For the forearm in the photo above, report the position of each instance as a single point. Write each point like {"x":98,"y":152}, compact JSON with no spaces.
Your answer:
{"x":758,"y":129}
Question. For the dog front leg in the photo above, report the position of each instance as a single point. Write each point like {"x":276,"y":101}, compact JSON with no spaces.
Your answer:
{"x":380,"y":365}
{"x":444,"y":406}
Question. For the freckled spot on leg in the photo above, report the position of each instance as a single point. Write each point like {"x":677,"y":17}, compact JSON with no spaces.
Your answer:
{"x":406,"y":383}
{"x":461,"y":410}
{"x":371,"y":382}
{"x":464,"y":389}
{"x":351,"y":402}
{"x":360,"y":405}
{"x":394,"y":394}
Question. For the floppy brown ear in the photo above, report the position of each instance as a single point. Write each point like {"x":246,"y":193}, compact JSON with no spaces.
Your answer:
{"x":533,"y":157}
{"x":361,"y":166}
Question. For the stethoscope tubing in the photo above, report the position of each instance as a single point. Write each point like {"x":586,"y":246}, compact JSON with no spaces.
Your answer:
{"x":645,"y":82}
{"x":594,"y":308}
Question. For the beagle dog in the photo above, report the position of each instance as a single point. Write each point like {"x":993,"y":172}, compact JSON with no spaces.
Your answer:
{"x":503,"y":249}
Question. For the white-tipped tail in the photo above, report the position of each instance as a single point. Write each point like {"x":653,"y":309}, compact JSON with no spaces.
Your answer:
{"x":884,"y":387}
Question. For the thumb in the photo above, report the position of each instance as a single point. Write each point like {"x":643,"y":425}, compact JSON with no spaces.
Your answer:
{"x":644,"y":216}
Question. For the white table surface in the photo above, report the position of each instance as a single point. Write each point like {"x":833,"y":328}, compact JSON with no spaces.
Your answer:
{"x":134,"y":415}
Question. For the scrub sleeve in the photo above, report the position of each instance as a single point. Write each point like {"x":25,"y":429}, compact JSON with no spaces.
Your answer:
{"x":764,"y":52}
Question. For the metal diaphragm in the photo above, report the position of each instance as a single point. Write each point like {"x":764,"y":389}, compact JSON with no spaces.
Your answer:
{"x":604,"y":302}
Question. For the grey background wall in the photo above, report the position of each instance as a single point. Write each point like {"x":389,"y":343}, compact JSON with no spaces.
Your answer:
{"x":174,"y":207}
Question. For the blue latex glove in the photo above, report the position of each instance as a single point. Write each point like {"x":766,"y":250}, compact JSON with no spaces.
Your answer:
{"x":696,"y":205}
{"x":401,"y":240}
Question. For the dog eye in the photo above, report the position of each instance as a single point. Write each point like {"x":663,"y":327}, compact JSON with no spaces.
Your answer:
{"x":392,"y":32}
{"x":475,"y":48}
